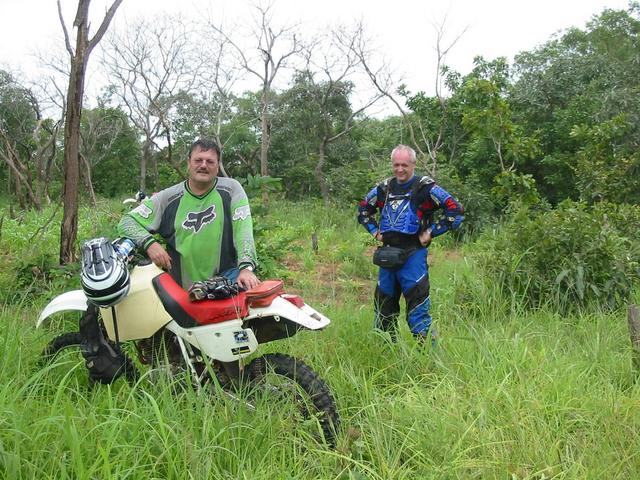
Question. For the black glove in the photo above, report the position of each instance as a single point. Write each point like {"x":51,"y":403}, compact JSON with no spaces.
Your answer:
{"x":213,"y":288}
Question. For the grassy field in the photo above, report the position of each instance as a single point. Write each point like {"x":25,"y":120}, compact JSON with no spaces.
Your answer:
{"x":507,"y":393}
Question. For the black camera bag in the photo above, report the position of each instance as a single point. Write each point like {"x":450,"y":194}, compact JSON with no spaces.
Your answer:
{"x":391,"y":257}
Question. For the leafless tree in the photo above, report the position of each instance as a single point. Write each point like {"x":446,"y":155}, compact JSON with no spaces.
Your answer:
{"x":27,"y":143}
{"x":214,"y":90}
{"x":50,"y":88}
{"x":149,"y":63}
{"x":435,"y":142}
{"x":100,"y":130}
{"x":381,"y":74}
{"x":335,"y":63}
{"x":275,"y":47}
{"x":383,"y":77}
{"x":79,"y":58}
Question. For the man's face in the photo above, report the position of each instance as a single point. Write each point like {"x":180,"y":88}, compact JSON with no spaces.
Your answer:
{"x":402,"y":165}
{"x":203,"y":166}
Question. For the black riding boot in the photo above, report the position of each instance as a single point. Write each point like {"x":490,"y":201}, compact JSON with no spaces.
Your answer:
{"x":386,"y":310}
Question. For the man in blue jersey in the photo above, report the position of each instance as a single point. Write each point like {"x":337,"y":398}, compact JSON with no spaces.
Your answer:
{"x":406,"y":205}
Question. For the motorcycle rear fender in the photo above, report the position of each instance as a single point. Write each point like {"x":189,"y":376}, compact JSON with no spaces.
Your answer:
{"x":281,"y":309}
{"x":74,"y":300}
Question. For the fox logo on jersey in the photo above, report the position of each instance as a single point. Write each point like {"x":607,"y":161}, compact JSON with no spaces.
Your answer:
{"x":196,"y":220}
{"x":142,"y":210}
{"x":241,"y":213}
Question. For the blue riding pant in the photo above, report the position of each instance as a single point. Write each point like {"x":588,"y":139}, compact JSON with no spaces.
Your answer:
{"x":412,"y":281}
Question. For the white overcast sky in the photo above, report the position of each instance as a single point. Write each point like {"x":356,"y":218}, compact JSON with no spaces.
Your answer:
{"x":402,"y":28}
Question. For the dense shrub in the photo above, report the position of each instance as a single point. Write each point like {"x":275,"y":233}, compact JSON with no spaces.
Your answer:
{"x":29,"y":246}
{"x":575,"y":255}
{"x":481,"y":211}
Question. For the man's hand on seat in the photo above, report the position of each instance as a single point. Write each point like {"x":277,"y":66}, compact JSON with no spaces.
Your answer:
{"x":247,"y":279}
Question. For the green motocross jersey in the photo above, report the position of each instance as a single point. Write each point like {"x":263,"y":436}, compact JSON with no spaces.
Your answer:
{"x":205,"y":234}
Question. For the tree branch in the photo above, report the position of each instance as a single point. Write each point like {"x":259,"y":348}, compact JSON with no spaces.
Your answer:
{"x":67,"y":41}
{"x":103,"y":26}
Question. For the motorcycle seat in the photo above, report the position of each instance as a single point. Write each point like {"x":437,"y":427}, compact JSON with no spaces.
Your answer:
{"x":187,"y":314}
{"x":263,"y":294}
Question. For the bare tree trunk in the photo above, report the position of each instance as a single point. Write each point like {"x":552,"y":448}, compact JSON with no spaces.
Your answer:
{"x":177,"y":167}
{"x":88,"y":181}
{"x":19,"y":195}
{"x":154,"y":171}
{"x":69,"y":226}
{"x":47,"y":176}
{"x":264,"y":143}
{"x":43,"y":161}
{"x":324,"y":188}
{"x":40,"y":171}
{"x":143,"y":166}
{"x":21,"y":178}
{"x":73,"y":112}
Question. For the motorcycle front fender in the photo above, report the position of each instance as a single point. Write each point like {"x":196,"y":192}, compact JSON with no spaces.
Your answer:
{"x":74,"y":300}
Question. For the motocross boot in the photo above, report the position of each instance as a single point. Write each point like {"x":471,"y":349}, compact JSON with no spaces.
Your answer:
{"x":386,"y":310}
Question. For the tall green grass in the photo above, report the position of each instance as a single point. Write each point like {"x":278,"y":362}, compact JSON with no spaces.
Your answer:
{"x":507,"y":392}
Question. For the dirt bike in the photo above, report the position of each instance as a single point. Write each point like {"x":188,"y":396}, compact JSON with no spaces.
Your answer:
{"x":208,"y":341}
{"x":136,"y":199}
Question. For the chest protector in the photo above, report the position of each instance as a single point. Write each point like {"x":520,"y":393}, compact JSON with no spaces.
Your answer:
{"x":398,"y":215}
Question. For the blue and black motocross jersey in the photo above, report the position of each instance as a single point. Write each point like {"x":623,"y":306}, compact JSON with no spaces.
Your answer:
{"x":407,"y":209}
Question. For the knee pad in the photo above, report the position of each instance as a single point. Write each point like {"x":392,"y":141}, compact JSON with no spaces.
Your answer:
{"x":418,"y":306}
{"x":418,"y":293}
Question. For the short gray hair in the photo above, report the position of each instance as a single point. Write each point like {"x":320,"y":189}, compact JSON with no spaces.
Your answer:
{"x":404,"y":148}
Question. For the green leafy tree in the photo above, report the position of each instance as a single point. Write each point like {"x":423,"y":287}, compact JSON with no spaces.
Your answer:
{"x":374,"y":138}
{"x":310,"y":135}
{"x":110,"y":151}
{"x":607,"y":166}
{"x":495,"y":142}
{"x":570,"y":91}
{"x":234,"y":121}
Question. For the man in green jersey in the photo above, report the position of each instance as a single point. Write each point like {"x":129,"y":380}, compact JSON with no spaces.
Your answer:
{"x":205,"y":221}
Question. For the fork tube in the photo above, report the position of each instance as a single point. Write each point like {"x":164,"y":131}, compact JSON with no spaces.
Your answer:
{"x":115,"y":325}
{"x":186,"y":355}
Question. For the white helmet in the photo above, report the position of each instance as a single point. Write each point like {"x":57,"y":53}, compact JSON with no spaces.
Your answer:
{"x":104,"y":277}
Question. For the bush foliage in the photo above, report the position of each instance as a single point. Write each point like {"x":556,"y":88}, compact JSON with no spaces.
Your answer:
{"x":575,"y":255}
